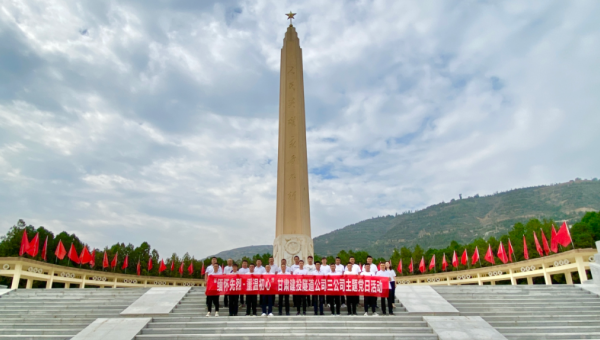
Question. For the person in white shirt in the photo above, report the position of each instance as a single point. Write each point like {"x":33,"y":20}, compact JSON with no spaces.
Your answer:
{"x":259,"y":269}
{"x":351,"y":300}
{"x":324,"y":266}
{"x":243,"y":270}
{"x":251,"y":299}
{"x":318,"y":300}
{"x":284,"y":299}
{"x":387,"y":271}
{"x":227,"y":270}
{"x":369,"y":300}
{"x":300,"y":300}
{"x":296,"y":264}
{"x":355,"y":268}
{"x":211,"y":269}
{"x":266,"y":300}
{"x":310,"y":266}
{"x":373,"y":267}
{"x":274,"y":267}
{"x":287,"y":270}
{"x":233,"y":299}
{"x":339,"y":268}
{"x":214,"y":299}
{"x":334,"y":301}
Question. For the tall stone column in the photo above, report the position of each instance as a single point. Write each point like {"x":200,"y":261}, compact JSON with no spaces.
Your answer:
{"x":292,"y":233}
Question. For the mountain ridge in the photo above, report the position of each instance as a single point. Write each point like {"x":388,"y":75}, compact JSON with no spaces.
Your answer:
{"x":461,"y":220}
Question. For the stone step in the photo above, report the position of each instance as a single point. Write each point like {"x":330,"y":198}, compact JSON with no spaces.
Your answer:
{"x":550,"y":329}
{"x":485,"y":315}
{"x":506,"y":309}
{"x":17,"y":307}
{"x":551,"y":336}
{"x":43,"y":325}
{"x":273,"y":322}
{"x":295,"y":336}
{"x":518,"y":323}
{"x":287,"y":329}
{"x":36,"y":337}
{"x":541,"y":318}
{"x":303,"y":319}
{"x":526,"y":304}
{"x":61,"y":332}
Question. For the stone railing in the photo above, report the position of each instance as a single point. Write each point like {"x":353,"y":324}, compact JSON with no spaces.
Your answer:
{"x":31,"y":270}
{"x":577,"y":260}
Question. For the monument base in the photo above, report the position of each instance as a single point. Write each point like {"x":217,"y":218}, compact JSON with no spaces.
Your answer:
{"x":289,"y":245}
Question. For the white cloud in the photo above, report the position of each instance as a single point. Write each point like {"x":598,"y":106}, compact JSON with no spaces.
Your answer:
{"x":129,"y":123}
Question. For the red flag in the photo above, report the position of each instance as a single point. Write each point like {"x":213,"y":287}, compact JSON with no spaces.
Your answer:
{"x":34,"y":246}
{"x":60,"y":251}
{"x":465,"y":258}
{"x":126,"y":262}
{"x":150,"y":263}
{"x":454,"y":260}
{"x":172,"y":265}
{"x":537,"y":245}
{"x":432,"y":263}
{"x":105,"y":260}
{"x":553,"y":240}
{"x":489,"y":256}
{"x":45,"y":249}
{"x":502,"y":253}
{"x":114,"y":261}
{"x":162,"y":267}
{"x":444,"y":263}
{"x":511,"y":251}
{"x":73,"y":254}
{"x":93,"y":258}
{"x":410,"y":267}
{"x":422,"y":265}
{"x":191,"y":268}
{"x":24,"y":244}
{"x":525,"y":251}
{"x":85,"y":257}
{"x":545,"y":243}
{"x":181,"y":268}
{"x":563,"y":236}
{"x":399,"y":269}
{"x":202,"y":272}
{"x":475,"y":256}
{"x":139,"y":269}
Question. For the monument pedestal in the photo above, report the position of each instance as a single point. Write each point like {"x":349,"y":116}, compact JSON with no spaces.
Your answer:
{"x":287,"y":246}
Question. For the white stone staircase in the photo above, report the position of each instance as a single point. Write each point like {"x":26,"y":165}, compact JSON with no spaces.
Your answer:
{"x":530,"y":311}
{"x":59,"y":313}
{"x":188,"y":321}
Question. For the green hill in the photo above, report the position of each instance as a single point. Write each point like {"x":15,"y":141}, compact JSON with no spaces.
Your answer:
{"x":465,"y":219}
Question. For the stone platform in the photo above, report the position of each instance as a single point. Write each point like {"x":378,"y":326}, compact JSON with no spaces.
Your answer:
{"x":483,"y":312}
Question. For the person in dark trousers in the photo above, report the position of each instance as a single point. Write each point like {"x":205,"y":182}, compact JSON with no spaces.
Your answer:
{"x":251,"y":299}
{"x":318,"y":300}
{"x":370,"y":301}
{"x":233,"y":299}
{"x":391,"y":274}
{"x":243,"y":270}
{"x":284,"y":299}
{"x":301,"y":298}
{"x":334,"y":300}
{"x":213,"y":299}
{"x":266,"y":300}
{"x":351,"y":301}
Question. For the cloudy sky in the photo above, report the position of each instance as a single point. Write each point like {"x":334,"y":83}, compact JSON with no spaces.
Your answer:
{"x":130,"y":121}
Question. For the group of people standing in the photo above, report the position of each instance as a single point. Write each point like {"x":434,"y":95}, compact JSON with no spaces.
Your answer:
{"x":334,"y":302}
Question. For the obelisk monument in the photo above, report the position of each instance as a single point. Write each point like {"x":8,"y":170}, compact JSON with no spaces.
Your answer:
{"x":292,"y":233}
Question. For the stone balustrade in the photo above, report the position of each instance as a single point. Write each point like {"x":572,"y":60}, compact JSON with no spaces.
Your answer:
{"x":577,"y":260}
{"x":23,"y":268}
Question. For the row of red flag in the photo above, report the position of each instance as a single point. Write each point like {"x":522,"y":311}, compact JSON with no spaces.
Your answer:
{"x":32,"y":249}
{"x":562,"y":237}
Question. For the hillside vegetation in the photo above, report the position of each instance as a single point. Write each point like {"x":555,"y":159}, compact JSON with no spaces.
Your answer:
{"x":464,"y":220}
